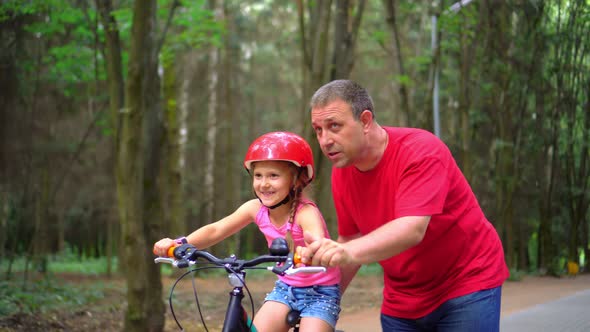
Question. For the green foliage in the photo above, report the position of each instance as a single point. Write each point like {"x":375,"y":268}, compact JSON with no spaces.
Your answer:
{"x":124,"y":18}
{"x":403,"y":79}
{"x":420,"y":61}
{"x":380,"y":36}
{"x":370,"y":269}
{"x":68,"y":66}
{"x":194,"y":27}
{"x":61,"y":33}
{"x":516,"y":275}
{"x":10,"y":9}
{"x":67,"y":262}
{"x":66,"y":30}
{"x":43,"y":295}
{"x":532,"y":248}
{"x":89,"y":266}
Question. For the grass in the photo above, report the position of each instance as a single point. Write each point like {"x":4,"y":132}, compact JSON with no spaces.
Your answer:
{"x":43,"y":295}
{"x":44,"y":292}
{"x":64,"y":263}
{"x":516,"y":275}
{"x":372,"y":269}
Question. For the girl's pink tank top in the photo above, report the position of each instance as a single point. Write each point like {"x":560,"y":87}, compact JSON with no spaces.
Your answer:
{"x":330,"y":277}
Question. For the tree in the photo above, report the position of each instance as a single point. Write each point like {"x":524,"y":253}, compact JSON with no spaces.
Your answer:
{"x":145,"y":310}
{"x":571,"y":82}
{"x":114,"y":63}
{"x":398,"y":60}
{"x":212,"y":125}
{"x":314,"y":33}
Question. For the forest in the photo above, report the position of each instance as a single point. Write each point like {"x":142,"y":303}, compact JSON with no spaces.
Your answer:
{"x":124,"y":121}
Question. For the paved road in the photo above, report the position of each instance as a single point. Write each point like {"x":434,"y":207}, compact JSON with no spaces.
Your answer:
{"x":568,"y":314}
{"x":571,"y":314}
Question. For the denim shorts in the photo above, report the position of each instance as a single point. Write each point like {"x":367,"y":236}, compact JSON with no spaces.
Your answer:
{"x":321,"y":302}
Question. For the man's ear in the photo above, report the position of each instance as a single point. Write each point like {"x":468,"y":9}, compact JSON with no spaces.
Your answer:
{"x":366,"y":118}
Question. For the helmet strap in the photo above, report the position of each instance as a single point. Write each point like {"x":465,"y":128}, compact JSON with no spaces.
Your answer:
{"x":285,"y":200}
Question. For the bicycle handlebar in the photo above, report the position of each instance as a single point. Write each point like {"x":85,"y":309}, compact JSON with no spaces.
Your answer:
{"x":186,"y":255}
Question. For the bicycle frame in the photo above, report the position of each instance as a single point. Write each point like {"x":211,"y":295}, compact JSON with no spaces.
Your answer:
{"x":236,"y":318}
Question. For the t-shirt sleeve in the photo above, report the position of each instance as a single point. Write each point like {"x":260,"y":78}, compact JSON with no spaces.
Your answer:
{"x":423,"y":188}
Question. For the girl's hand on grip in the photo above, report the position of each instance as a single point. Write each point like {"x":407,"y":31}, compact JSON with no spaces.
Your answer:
{"x":161,"y":248}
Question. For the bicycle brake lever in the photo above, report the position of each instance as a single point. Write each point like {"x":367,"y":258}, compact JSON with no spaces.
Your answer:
{"x":305,"y":269}
{"x":164,"y":260}
{"x":181,"y":263}
{"x":280,"y":270}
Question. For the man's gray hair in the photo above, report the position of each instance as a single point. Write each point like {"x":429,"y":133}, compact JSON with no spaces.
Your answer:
{"x":346,"y":90}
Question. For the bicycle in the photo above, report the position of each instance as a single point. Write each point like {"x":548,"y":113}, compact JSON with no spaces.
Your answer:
{"x":236,"y":318}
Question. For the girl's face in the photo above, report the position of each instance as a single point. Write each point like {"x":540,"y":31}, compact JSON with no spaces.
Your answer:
{"x":272,"y":181}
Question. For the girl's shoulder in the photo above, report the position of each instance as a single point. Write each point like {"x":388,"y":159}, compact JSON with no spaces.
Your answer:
{"x":306,"y":209}
{"x":251,"y":207}
{"x":306,"y":203}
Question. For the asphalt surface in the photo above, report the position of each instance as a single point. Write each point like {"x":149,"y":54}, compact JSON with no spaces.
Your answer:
{"x":568,"y":314}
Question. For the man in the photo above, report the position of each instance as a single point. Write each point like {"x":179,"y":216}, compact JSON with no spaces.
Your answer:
{"x":402,"y":201}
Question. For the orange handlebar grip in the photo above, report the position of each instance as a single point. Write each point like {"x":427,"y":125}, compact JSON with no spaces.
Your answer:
{"x":171,"y":251}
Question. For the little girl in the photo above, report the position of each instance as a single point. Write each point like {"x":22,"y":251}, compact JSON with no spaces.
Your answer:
{"x":281,"y":166}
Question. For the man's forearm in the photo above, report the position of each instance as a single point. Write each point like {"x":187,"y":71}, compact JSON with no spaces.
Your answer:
{"x":347,"y":274}
{"x":388,"y":240}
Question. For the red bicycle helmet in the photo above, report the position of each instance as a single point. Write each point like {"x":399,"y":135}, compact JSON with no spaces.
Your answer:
{"x":281,"y":145}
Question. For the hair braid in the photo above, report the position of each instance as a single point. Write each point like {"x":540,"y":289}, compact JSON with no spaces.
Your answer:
{"x":294,"y":205}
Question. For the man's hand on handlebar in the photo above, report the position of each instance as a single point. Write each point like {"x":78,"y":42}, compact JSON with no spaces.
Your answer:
{"x":323,"y":252}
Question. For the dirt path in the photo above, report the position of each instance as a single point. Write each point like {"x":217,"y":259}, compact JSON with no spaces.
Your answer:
{"x":360,"y":305}
{"x":362,"y":301}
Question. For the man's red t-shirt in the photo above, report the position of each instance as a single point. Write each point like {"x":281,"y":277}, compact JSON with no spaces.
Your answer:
{"x":417,"y":176}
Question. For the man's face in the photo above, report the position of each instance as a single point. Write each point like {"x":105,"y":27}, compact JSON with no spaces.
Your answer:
{"x":341,"y":137}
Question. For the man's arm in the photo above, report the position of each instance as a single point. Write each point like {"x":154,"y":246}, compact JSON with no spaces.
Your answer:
{"x":347,"y":272}
{"x":386,"y":241}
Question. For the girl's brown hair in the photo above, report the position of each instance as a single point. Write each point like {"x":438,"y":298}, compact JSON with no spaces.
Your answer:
{"x":300,"y":181}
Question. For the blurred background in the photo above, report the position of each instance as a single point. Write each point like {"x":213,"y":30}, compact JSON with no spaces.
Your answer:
{"x":123,"y":122}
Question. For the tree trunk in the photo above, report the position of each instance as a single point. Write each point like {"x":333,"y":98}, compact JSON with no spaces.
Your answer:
{"x":175,"y":137}
{"x":4,"y":215}
{"x":315,"y":51}
{"x":209,"y":183}
{"x":523,"y":246}
{"x":467,"y":54}
{"x":345,"y":35}
{"x":571,"y":56}
{"x":546,"y":176}
{"x":500,"y":109}
{"x":41,"y":235}
{"x":153,"y":179}
{"x":231,"y":121}
{"x":116,"y":101}
{"x":314,"y":48}
{"x":9,"y":93}
{"x":145,"y":309}
{"x":398,"y":60}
